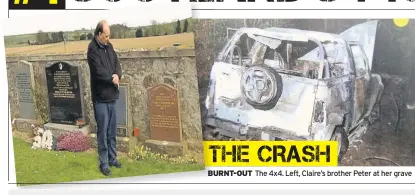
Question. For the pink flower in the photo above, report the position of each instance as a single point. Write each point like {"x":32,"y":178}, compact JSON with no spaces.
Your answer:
{"x":75,"y":141}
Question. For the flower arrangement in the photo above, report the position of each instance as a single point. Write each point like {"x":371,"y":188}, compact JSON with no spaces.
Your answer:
{"x":75,"y":142}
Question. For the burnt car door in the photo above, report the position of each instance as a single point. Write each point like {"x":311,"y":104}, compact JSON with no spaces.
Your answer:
{"x":361,"y":43}
{"x":361,"y":81}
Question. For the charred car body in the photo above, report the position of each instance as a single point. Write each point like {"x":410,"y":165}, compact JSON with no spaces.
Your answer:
{"x":290,"y":84}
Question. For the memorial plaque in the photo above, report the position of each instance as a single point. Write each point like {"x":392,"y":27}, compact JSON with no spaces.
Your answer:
{"x":121,"y":131}
{"x":64,"y":91}
{"x":163,"y":105}
{"x":24,"y":83}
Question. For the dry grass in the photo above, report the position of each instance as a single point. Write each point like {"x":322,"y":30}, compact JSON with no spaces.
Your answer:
{"x":152,"y":43}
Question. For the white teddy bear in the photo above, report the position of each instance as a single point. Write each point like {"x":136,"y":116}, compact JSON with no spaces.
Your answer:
{"x":43,"y":139}
{"x":37,"y":142}
{"x":47,"y":140}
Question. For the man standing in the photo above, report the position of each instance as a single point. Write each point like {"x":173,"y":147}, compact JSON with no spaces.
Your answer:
{"x":105,"y":74}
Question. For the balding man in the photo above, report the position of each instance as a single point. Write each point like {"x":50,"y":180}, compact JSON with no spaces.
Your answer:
{"x":105,"y":74}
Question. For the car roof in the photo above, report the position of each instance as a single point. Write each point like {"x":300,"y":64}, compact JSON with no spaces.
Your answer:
{"x":301,"y":34}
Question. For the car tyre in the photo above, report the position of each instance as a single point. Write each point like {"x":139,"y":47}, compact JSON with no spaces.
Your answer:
{"x":275,"y":78}
{"x":341,"y":137}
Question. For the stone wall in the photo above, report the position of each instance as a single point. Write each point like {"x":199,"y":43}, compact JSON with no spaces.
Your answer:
{"x":140,"y":70}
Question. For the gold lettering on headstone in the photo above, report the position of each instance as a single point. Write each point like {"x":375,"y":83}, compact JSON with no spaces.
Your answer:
{"x":163,"y":119}
{"x":164,"y":113}
{"x":63,"y":88}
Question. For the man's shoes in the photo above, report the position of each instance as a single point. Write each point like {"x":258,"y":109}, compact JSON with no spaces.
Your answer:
{"x":116,"y":164}
{"x":105,"y":171}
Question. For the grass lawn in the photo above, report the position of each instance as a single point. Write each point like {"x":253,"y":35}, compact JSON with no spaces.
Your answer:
{"x":43,"y":166}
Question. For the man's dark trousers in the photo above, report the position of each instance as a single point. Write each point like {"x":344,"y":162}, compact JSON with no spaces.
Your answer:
{"x":105,"y":116}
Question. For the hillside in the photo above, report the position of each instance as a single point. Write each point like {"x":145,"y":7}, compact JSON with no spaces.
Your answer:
{"x":118,"y":31}
{"x":147,"y":43}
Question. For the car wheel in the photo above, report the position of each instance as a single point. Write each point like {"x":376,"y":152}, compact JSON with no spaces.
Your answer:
{"x":261,"y":87}
{"x":340,"y":136}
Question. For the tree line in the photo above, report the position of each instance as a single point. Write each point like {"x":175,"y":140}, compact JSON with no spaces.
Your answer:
{"x":159,"y":29}
{"x":118,"y":31}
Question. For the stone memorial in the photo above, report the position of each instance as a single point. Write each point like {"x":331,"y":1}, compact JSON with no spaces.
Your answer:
{"x":165,"y":124}
{"x":56,"y":90}
{"x":27,"y":104}
{"x":66,"y":107}
{"x":122,"y":112}
{"x":164,"y":113}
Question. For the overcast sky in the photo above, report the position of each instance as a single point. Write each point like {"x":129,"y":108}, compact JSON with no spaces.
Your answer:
{"x":70,"y":20}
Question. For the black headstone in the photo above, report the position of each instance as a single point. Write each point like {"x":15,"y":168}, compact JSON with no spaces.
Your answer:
{"x":64,"y":91}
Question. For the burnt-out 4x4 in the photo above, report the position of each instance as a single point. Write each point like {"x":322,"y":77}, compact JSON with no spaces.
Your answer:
{"x":290,"y":84}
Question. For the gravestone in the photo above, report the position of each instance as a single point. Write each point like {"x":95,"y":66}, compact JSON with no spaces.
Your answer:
{"x":124,"y":132}
{"x":165,"y":124}
{"x":164,"y":113}
{"x":27,"y":105}
{"x":122,"y":113}
{"x":121,"y":107}
{"x":66,"y":107}
{"x":64,"y":91}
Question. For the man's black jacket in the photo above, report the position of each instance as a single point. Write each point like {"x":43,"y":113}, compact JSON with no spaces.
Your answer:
{"x":103,"y":63}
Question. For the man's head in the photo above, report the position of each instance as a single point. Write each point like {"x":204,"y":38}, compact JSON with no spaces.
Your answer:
{"x":102,"y":32}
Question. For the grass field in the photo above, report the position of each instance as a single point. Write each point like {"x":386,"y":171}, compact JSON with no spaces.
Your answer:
{"x":16,"y":40}
{"x":186,"y":40}
{"x":43,"y":166}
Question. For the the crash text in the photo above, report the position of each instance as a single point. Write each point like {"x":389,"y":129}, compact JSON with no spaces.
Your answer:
{"x":270,"y":153}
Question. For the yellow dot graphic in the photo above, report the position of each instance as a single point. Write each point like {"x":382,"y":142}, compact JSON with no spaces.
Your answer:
{"x":401,"y":22}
